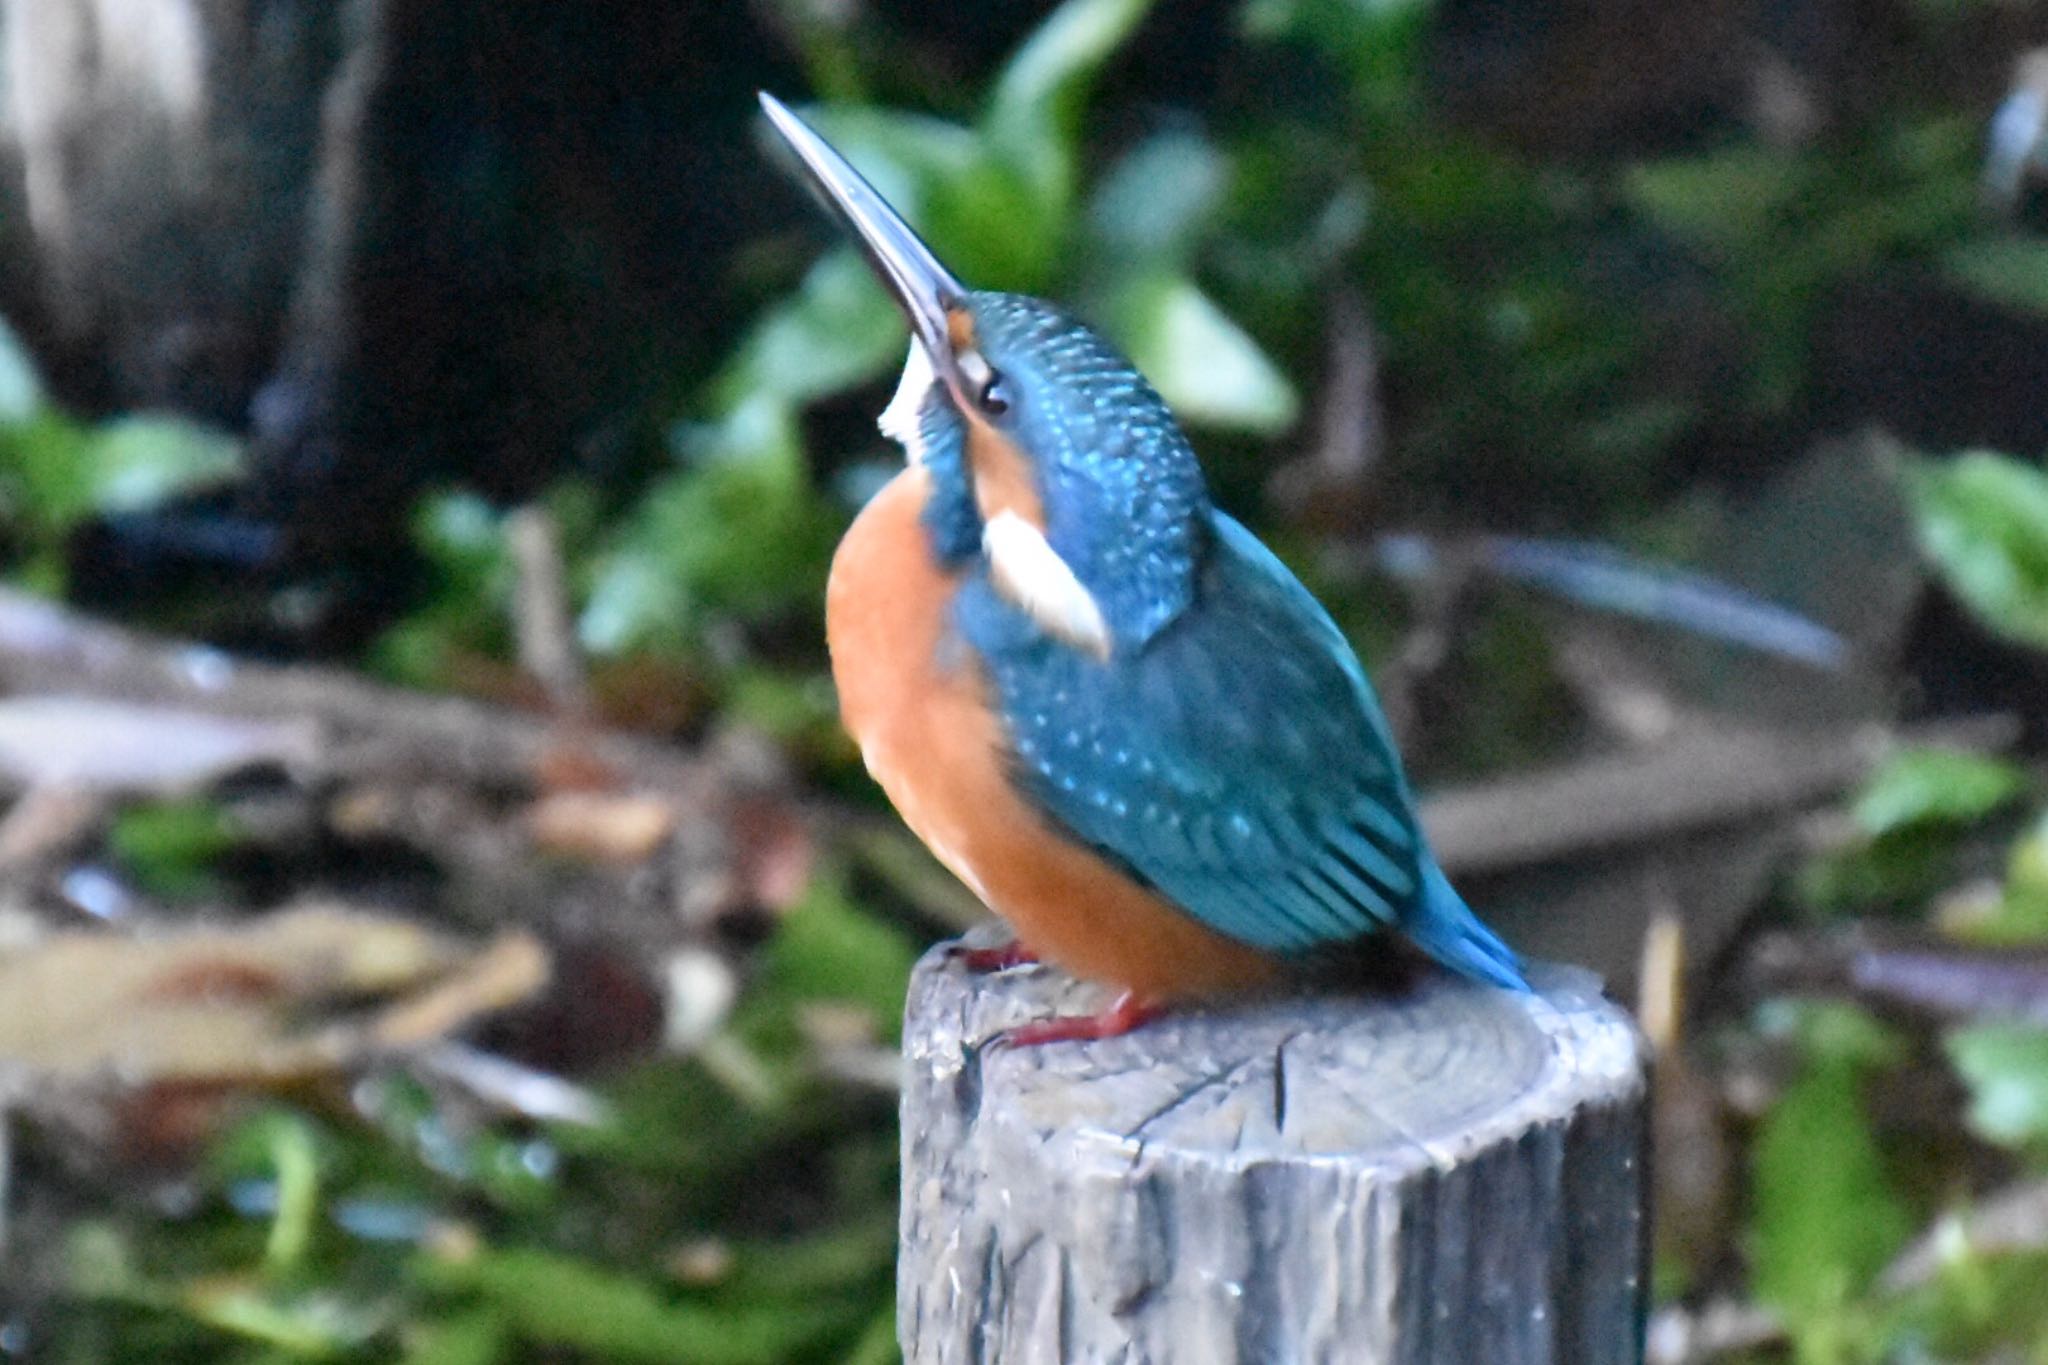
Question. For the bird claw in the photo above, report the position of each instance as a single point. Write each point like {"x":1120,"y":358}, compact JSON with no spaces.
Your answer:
{"x":999,"y":959}
{"x":1125,"y":1013}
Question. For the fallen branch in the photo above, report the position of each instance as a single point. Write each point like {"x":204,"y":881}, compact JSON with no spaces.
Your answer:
{"x":2010,"y":1221}
{"x":365,"y":728}
{"x":1682,"y":1336}
{"x":1696,"y":782}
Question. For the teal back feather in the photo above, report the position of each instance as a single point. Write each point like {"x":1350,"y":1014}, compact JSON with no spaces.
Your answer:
{"x":1238,"y":763}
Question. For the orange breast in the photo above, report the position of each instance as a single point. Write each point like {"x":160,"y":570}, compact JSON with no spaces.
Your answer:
{"x":915,"y":701}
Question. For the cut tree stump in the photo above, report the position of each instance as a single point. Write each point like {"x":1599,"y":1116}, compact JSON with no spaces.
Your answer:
{"x":398,"y":244}
{"x":1453,"y":1176}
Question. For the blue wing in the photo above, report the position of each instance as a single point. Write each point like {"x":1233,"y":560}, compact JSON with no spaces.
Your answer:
{"x":1238,"y":763}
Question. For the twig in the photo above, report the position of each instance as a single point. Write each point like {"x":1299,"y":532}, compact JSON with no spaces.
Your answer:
{"x":46,"y":822}
{"x":6,"y":1177}
{"x":1329,"y":480}
{"x":2011,"y":1220}
{"x":869,"y":1068}
{"x":1912,"y":971}
{"x":1615,"y":690}
{"x":1660,"y":992}
{"x":1680,"y":1336}
{"x":368,"y":729}
{"x":542,"y":621}
{"x":1351,"y":435}
{"x":1695,"y":782}
{"x":508,"y":1086}
{"x":511,"y":969}
{"x":1438,"y":601}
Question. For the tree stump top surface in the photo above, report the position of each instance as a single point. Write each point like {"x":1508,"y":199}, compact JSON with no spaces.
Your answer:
{"x":1447,"y":1175}
{"x":1420,"y":1078}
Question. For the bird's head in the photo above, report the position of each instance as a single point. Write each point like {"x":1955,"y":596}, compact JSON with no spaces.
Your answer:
{"x":1051,"y":459}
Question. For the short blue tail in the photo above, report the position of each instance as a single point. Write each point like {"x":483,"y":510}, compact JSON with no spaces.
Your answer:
{"x":1445,"y":927}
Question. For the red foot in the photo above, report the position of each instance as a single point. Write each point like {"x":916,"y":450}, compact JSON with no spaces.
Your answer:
{"x":1011,"y":954}
{"x":1127,"y":1012}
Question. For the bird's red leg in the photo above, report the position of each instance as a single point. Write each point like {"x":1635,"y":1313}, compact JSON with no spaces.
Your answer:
{"x":1125,"y":1013}
{"x":1015,"y":953}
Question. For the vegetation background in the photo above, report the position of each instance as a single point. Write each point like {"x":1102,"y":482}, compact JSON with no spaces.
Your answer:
{"x":1658,"y":395}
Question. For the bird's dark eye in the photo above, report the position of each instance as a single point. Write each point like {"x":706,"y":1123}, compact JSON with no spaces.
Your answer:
{"x":995,"y":395}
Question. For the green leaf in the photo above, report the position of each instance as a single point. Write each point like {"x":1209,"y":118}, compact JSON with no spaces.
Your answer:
{"x":635,"y":603}
{"x":462,"y":537}
{"x":1201,"y":362}
{"x":1926,"y":786}
{"x":138,"y":462}
{"x":1377,"y":43}
{"x":739,"y":531}
{"x":1826,"y":1218}
{"x":798,"y":709}
{"x":57,"y":473}
{"x":840,"y":1257}
{"x":2021,"y":915}
{"x":1726,"y":202}
{"x":297,"y":1163}
{"x":979,"y":210}
{"x":837,"y":331}
{"x":562,"y":1301}
{"x":315,"y":1325}
{"x":1981,"y":1300}
{"x":2006,"y":270}
{"x":479,"y":1338}
{"x":1830,"y":1032}
{"x":1983,"y":520}
{"x":1034,"y":116}
{"x":2006,"y":1069}
{"x":1898,"y":873}
{"x":46,"y":472}
{"x":21,"y":392}
{"x":171,"y":847}
{"x":99,"y":1262}
{"x":1153,"y":203}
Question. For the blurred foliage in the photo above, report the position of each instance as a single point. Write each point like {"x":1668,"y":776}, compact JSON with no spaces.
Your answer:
{"x":1917,"y":787}
{"x":1778,"y":228}
{"x":735,"y":1209}
{"x":1827,"y":1218}
{"x":739,"y":536}
{"x":56,"y":471}
{"x":170,"y":847}
{"x":1833,"y":1190}
{"x":2006,"y":1066}
{"x":711,"y":558}
{"x":1984,"y":521}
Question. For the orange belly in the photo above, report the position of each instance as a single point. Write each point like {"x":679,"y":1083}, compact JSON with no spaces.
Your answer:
{"x":916,"y":703}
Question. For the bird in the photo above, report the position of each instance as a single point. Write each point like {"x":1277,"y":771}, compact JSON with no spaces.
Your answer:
{"x":1097,"y":698}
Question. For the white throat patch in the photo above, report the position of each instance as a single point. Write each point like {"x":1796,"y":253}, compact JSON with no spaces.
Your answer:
{"x":1030,"y":574}
{"x":1023,"y":565}
{"x":900,"y":420}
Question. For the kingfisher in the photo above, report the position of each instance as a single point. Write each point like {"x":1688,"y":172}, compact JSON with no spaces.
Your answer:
{"x":1097,"y":698}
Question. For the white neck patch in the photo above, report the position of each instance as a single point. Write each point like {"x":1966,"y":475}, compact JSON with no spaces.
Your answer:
{"x":1023,"y":565}
{"x":1030,"y":574}
{"x":901,"y":420}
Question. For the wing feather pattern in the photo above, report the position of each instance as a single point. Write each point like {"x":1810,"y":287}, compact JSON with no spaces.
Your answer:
{"x":1239,"y":763}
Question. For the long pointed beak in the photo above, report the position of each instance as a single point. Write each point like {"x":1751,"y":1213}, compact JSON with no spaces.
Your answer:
{"x":922,"y":287}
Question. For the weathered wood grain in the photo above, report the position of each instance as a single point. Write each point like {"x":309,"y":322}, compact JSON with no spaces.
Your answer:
{"x":1451,"y":1176}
